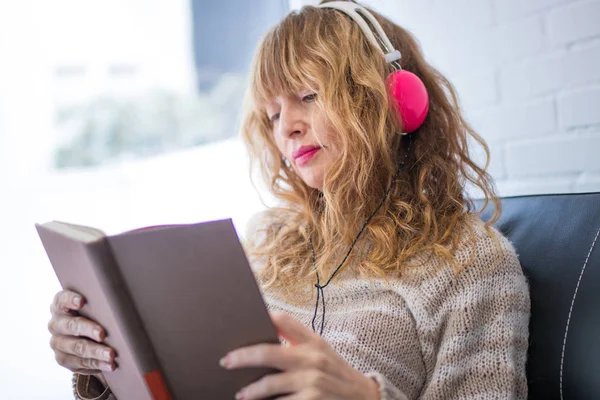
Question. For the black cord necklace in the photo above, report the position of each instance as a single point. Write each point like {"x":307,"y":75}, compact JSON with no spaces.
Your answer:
{"x":320,"y":292}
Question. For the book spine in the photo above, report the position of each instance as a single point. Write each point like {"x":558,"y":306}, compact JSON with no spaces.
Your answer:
{"x":128,"y":318}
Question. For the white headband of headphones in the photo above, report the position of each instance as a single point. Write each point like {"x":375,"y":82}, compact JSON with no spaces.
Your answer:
{"x":358,"y":14}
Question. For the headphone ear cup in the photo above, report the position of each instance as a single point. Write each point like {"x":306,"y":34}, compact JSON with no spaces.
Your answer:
{"x":410,"y":95}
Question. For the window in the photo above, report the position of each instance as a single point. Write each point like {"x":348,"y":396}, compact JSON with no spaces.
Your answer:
{"x":154,"y":76}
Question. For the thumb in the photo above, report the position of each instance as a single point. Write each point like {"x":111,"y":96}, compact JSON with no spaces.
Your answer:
{"x":291,"y":329}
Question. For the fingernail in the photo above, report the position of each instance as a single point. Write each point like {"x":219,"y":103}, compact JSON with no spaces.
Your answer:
{"x":97,"y":334}
{"x":77,"y":301}
{"x":240,"y":395}
{"x":107,"y":355}
{"x":108,"y":367}
{"x":224,"y":362}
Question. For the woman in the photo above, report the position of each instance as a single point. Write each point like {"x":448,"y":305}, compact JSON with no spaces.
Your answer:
{"x":382,"y":280}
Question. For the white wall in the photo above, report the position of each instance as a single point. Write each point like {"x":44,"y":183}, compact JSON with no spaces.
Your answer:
{"x":528,"y":76}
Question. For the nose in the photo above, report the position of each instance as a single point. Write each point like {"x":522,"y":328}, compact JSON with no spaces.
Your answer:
{"x":291,"y":121}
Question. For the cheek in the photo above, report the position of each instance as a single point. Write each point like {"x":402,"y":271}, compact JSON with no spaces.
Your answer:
{"x":332,"y":141}
{"x":327,"y":133}
{"x":282,"y":153}
{"x":279,"y":144}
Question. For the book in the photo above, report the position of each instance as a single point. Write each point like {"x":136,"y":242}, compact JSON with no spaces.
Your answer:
{"x":173,"y":299}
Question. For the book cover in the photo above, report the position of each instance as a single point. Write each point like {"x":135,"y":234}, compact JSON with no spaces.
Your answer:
{"x":187,"y":289}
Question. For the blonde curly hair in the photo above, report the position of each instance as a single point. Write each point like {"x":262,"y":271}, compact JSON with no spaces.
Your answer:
{"x":323,"y":50}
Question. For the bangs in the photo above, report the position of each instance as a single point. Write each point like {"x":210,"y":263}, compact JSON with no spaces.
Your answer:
{"x":286,"y":60}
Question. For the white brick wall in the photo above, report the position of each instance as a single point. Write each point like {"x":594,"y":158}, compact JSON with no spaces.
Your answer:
{"x":580,"y":108}
{"x":528,"y":76}
{"x":574,"y":22}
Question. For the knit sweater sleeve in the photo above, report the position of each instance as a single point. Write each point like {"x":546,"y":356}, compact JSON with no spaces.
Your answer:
{"x":477,"y":335}
{"x":483,"y":331}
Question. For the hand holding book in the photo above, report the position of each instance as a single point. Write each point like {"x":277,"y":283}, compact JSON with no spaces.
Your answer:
{"x":76,"y":340}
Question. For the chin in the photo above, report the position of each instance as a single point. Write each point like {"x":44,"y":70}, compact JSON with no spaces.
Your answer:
{"x":313,"y":181}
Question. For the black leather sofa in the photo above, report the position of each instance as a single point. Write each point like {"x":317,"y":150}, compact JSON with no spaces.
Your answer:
{"x":557,"y":239}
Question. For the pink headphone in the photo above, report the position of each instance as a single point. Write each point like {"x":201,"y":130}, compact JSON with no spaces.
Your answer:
{"x":407,"y":89}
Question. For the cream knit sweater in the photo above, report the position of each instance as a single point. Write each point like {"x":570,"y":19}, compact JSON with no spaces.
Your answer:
{"x":431,"y":335}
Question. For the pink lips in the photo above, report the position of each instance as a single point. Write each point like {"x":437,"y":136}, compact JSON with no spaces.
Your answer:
{"x":304,"y":154}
